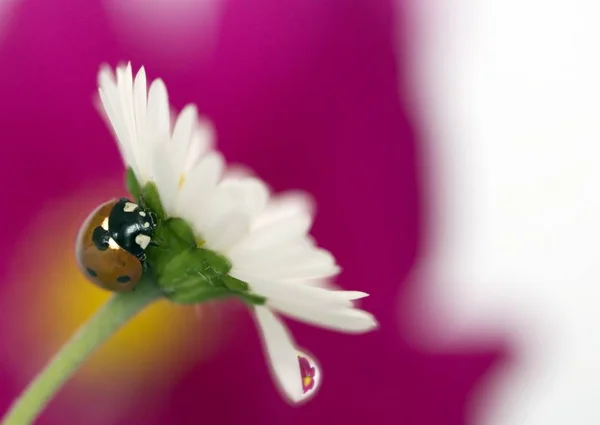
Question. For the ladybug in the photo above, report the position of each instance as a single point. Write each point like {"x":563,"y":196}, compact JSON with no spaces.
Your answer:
{"x":111,"y":245}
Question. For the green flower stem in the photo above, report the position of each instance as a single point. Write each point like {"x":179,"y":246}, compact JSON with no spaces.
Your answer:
{"x":116,"y":312}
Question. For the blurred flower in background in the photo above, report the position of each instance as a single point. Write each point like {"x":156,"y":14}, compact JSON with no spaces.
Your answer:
{"x":305,"y":94}
{"x":508,"y":94}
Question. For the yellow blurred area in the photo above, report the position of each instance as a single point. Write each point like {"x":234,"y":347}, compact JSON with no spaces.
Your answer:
{"x":160,"y":340}
{"x":48,"y":299}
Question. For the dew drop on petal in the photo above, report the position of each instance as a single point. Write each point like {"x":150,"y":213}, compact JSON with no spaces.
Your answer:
{"x":310,"y":372}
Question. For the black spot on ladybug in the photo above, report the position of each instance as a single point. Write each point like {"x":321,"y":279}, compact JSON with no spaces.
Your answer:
{"x":91,"y":272}
{"x":123,"y":279}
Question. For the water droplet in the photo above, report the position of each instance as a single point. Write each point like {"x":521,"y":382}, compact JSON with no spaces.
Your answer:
{"x":310,"y":373}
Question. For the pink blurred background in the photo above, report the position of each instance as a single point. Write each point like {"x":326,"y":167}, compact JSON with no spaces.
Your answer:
{"x":311,"y":95}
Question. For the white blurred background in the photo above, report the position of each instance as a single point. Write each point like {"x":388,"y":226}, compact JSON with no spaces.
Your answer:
{"x":509,"y":95}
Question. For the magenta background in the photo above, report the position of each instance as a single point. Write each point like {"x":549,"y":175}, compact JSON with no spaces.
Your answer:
{"x":306,"y":94}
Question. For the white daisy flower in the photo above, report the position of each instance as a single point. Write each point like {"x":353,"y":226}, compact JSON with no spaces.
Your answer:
{"x":264,"y":237}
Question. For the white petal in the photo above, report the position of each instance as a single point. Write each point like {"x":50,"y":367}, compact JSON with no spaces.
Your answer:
{"x":194,"y":155}
{"x":256,"y":260}
{"x":301,"y":294}
{"x":250,"y":194}
{"x":165,"y":179}
{"x":113,"y":115}
{"x":157,"y":114}
{"x":287,"y":206}
{"x":278,"y":233}
{"x":281,"y":352}
{"x":109,"y":97}
{"x":349,"y":320}
{"x":317,"y":263}
{"x":105,"y":76}
{"x":198,"y":187}
{"x":125,"y":87}
{"x":227,"y":231}
{"x":314,"y":304}
{"x":142,"y":151}
{"x":203,"y":139}
{"x":218,"y":206}
{"x":182,"y":136}
{"x":140,"y":91}
{"x":243,"y":197}
{"x":293,"y":261}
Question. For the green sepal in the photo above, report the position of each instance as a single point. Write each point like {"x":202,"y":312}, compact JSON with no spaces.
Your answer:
{"x":242,"y":290}
{"x":133,"y":185}
{"x":251,"y":299}
{"x":235,"y":284}
{"x":149,"y":198}
{"x":193,"y":276}
{"x":172,"y":237}
{"x":181,"y":230}
{"x":195,"y":295}
{"x":216,"y":261}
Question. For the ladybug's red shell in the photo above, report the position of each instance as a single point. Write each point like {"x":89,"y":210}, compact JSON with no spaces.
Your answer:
{"x":113,"y":269}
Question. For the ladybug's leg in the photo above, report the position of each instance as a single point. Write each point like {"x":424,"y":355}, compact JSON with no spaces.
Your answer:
{"x":143,"y":260}
{"x":156,"y":240}
{"x":153,"y":219}
{"x":142,"y":201}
